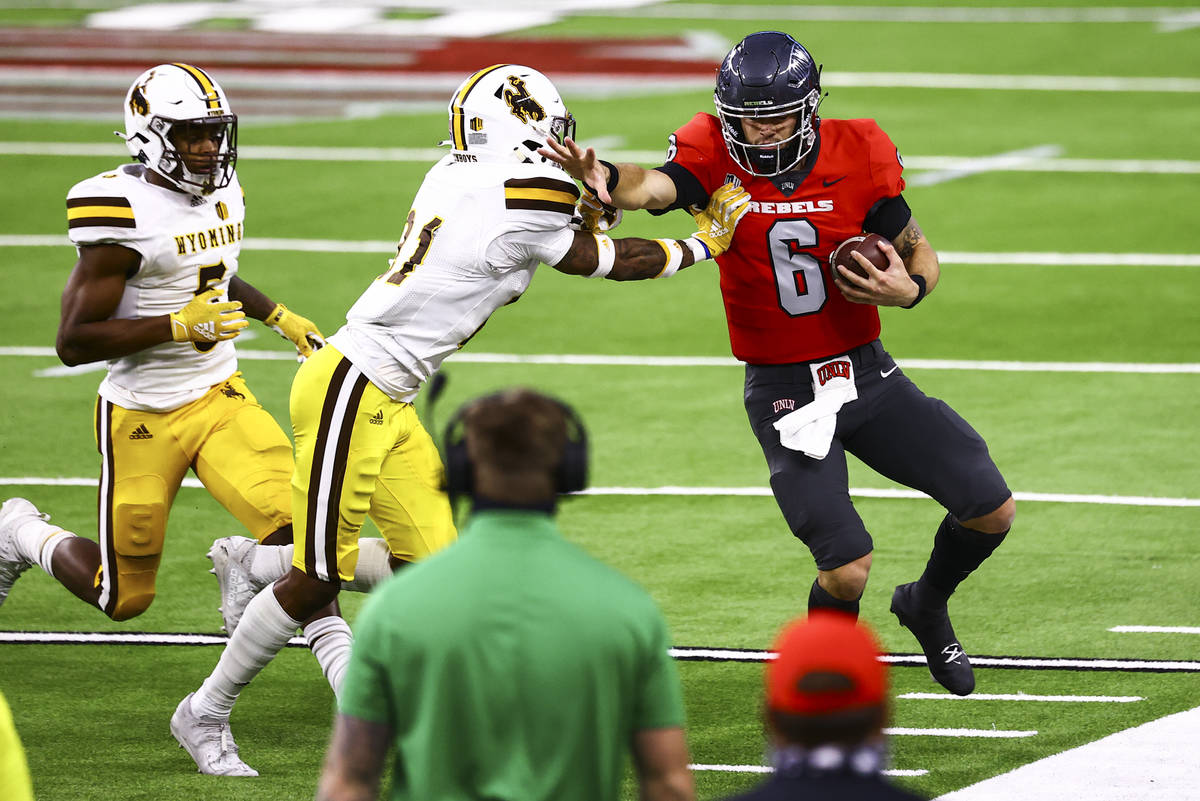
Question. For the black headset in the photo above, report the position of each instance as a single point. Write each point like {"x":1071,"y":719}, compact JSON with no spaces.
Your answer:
{"x":570,"y":475}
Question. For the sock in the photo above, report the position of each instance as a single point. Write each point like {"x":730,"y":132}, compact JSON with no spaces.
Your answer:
{"x":330,"y":639}
{"x":265,"y":629}
{"x":45,"y":553}
{"x":818,"y":598}
{"x":270,"y":562}
{"x":32,"y":536}
{"x":373,"y":566}
{"x":957,"y":551}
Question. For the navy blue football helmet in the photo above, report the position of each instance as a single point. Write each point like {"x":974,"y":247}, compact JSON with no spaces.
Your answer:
{"x":768,"y":74}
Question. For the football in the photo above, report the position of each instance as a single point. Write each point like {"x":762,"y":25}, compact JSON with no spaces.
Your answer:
{"x":867,"y":245}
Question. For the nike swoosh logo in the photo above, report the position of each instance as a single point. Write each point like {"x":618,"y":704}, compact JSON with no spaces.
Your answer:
{"x":883,"y":374}
{"x":828,"y":184}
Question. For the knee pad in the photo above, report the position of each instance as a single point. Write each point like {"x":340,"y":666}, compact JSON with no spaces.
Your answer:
{"x":139,"y":520}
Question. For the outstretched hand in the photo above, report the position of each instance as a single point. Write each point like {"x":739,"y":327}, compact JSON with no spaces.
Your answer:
{"x":717,"y":222}
{"x":580,"y":164}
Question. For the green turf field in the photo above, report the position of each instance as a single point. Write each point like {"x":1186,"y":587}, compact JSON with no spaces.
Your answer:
{"x":723,"y":567}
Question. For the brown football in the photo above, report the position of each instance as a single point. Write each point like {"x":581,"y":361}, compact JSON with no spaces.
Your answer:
{"x":867,"y":245}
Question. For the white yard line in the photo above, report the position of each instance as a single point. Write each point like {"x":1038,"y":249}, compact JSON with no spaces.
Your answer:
{"x":759,"y":492}
{"x":1146,"y":762}
{"x":1001,"y":734}
{"x":1012,"y":160}
{"x":945,"y":257}
{"x":1010,"y":662}
{"x":927,"y":14}
{"x":594,"y":360}
{"x":1066,"y":699}
{"x":426,"y":155}
{"x":1156,"y":629}
{"x":768,"y":769}
{"x":684,"y":653}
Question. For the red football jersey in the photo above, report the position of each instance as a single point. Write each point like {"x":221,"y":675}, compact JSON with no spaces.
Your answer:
{"x":780,"y":300}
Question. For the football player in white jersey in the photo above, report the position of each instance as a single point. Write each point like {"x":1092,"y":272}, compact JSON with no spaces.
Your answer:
{"x":155,"y":292}
{"x":484,"y":218}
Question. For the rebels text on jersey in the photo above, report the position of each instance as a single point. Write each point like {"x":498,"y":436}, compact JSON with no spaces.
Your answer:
{"x":780,"y":301}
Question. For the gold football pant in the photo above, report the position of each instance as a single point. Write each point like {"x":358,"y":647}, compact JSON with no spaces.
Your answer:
{"x":238,"y":452}
{"x":359,"y":453}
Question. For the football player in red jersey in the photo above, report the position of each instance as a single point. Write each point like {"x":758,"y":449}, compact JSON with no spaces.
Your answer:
{"x":818,"y":381}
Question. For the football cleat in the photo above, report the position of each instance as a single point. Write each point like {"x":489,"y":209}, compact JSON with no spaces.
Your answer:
{"x":946,"y":659}
{"x":231,"y":558}
{"x":208,"y":741}
{"x":13,"y":514}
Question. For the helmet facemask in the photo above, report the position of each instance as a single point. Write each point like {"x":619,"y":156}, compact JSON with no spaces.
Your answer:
{"x":207,"y":172}
{"x":771,"y":158}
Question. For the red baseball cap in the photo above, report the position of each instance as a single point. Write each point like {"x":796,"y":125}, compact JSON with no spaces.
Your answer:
{"x":827,"y":662}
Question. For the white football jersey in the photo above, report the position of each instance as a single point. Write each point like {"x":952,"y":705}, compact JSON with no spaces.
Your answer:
{"x":185,"y":250}
{"x":475,"y":235}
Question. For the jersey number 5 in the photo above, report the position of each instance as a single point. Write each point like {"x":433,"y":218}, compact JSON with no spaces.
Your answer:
{"x":209,"y":274}
{"x":798,"y":277}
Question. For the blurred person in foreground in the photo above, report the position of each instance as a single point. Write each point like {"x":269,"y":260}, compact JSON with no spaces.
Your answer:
{"x":512,"y":664}
{"x":825,"y":708}
{"x":14,"y":770}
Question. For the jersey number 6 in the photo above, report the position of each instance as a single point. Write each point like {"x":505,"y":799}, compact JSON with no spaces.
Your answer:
{"x":798,"y":277}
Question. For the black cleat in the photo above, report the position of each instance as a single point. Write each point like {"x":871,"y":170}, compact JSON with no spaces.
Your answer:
{"x":931,"y":626}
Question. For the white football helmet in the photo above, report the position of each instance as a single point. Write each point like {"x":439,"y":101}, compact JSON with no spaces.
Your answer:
{"x":167,"y":106}
{"x":505,"y":113}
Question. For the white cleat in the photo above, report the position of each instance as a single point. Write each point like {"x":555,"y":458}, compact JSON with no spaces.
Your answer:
{"x":13,"y":513}
{"x":231,"y":558}
{"x":208,"y":741}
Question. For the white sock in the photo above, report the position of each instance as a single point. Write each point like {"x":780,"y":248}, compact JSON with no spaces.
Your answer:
{"x":46,"y":551}
{"x":373,"y":566}
{"x":264,"y":630}
{"x":31,"y":537}
{"x":270,"y":562}
{"x":330,"y":640}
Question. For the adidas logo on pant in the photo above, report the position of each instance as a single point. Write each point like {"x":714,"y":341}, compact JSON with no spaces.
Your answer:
{"x":141,"y":432}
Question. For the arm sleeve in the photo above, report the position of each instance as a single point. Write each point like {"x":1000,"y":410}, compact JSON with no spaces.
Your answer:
{"x":888,"y":217}
{"x":890,"y":213}
{"x":692,"y":162}
{"x":98,"y":215}
{"x":523,"y":240}
{"x":887,"y":167}
{"x":660,"y":697}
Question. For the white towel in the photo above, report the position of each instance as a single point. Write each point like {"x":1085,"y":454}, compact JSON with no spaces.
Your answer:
{"x":810,"y":428}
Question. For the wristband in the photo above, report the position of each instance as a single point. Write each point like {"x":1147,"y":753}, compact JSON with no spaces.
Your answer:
{"x":614,"y":176}
{"x":674,"y":250}
{"x":919,"y":280}
{"x":606,"y":255}
{"x":699,"y":249}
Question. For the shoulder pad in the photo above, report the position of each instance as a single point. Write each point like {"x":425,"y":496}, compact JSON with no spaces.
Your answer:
{"x":541,"y":193}
{"x":95,"y":211}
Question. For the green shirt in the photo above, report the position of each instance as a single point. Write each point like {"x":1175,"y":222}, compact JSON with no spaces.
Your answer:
{"x":511,"y":665}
